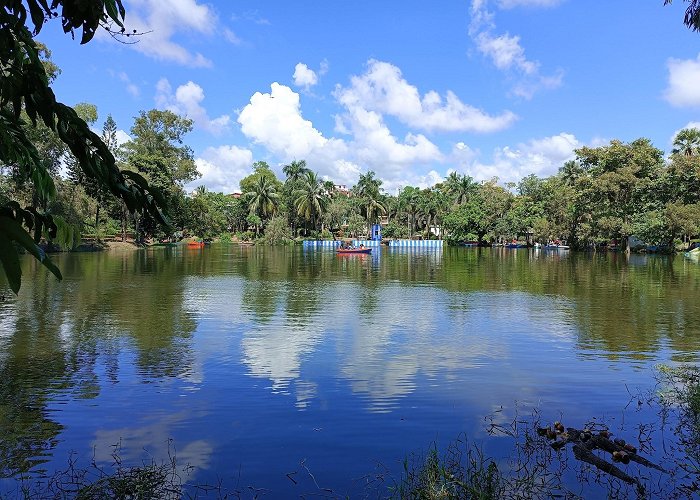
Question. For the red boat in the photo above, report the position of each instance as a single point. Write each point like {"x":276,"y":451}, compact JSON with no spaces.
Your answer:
{"x":346,"y":251}
{"x":195,"y":244}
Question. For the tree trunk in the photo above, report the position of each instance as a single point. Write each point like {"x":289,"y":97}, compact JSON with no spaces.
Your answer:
{"x":136,"y":228}
{"x":123,"y":221}
{"x":97,"y":222}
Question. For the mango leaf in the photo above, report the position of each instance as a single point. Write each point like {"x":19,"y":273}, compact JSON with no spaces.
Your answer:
{"x":13,"y":230}
{"x":10,"y":263}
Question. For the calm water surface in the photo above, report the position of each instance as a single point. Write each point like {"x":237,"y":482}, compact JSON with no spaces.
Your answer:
{"x":254,"y":363}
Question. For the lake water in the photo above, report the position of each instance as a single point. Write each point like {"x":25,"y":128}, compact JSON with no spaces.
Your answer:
{"x":262,"y":367}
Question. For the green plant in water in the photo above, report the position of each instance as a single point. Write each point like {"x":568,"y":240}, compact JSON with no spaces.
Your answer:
{"x":457,"y":474}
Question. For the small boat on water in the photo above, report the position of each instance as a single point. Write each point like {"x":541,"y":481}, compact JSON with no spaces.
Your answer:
{"x":195,"y":244}
{"x":515,"y":245}
{"x":349,"y":251}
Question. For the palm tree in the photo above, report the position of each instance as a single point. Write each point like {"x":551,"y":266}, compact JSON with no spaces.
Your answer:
{"x":263,"y":198}
{"x":687,"y":142}
{"x":408,"y":201}
{"x":466,"y":188}
{"x":368,"y":190}
{"x":311,"y":199}
{"x":295,"y":170}
{"x":373,"y":206}
{"x":368,"y":184}
{"x":460,"y":187}
{"x":570,"y":172}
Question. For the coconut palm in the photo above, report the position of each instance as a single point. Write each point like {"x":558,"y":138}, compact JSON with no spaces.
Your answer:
{"x":311,"y":199}
{"x":460,"y":187}
{"x":368,"y":184}
{"x":263,"y":198}
{"x":408,"y":201}
{"x":373,"y":206}
{"x":570,"y":172}
{"x":368,"y":191}
{"x":295,"y":170}
{"x":687,"y":142}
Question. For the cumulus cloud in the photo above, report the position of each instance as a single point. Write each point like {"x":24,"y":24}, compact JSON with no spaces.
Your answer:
{"x":160,"y":22}
{"x":275,"y":121}
{"x":541,"y":157}
{"x":364,"y":141}
{"x":304,"y":76}
{"x":374,"y":144}
{"x":186,"y":100}
{"x":222,"y":168}
{"x":683,"y":76}
{"x":506,"y":52}
{"x":383,"y":89}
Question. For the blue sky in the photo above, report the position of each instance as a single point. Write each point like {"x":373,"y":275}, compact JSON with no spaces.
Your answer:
{"x":411,"y":90}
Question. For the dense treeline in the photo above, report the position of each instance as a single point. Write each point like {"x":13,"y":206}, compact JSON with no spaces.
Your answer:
{"x":606,"y":194}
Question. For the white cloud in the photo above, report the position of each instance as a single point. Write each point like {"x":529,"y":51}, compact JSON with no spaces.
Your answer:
{"x":131,"y":88}
{"x":160,"y":22}
{"x":506,"y":52}
{"x":231,"y":37}
{"x":187,"y":101}
{"x":122,"y":137}
{"x":222,"y":168}
{"x":323,"y":68}
{"x":274,"y":120}
{"x":509,"y":4}
{"x":542,"y":157}
{"x":374,"y":144}
{"x":683,"y":89}
{"x":304,"y":76}
{"x":383,"y":89}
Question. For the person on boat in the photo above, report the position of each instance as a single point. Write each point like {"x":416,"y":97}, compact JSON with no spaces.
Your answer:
{"x":362,"y":246}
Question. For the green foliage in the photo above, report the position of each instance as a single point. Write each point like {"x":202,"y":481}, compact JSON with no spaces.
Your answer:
{"x":456,"y":475}
{"x":692,"y":14}
{"x":156,"y":149}
{"x":260,"y":169}
{"x":26,"y":93}
{"x":246,"y":236}
{"x":356,"y":225}
{"x":277,"y":231}
{"x":394,"y":230}
{"x":262,"y":197}
{"x":310,"y":199}
{"x":12,"y":232}
{"x":67,"y":235}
